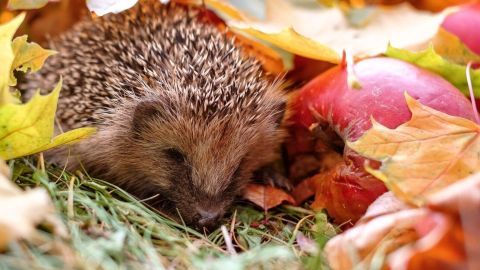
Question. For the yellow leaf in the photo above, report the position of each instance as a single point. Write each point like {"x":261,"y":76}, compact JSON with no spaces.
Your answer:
{"x":291,"y":41}
{"x":66,"y":138}
{"x":7,"y":31}
{"x":423,"y":155}
{"x":25,"y":127}
{"x":28,"y":56}
{"x":452,"y":48}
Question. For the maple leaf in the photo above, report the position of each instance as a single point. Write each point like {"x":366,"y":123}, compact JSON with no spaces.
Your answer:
{"x":430,"y":60}
{"x":28,"y":57}
{"x":429,"y":152}
{"x":7,"y":31}
{"x":267,"y":197}
{"x":27,"y":128}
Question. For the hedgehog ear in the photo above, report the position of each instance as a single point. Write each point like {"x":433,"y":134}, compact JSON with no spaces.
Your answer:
{"x":144,"y":113}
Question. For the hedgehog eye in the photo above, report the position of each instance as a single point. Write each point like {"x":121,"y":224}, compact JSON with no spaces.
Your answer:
{"x":238,"y":170}
{"x":280,"y":113}
{"x":175,"y":155}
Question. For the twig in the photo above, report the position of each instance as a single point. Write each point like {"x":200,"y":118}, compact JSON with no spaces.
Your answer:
{"x":297,"y":228}
{"x":232,"y":231}
{"x":41,"y":162}
{"x":228,"y":241}
{"x":70,"y":211}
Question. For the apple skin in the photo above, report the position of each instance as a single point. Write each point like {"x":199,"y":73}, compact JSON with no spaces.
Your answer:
{"x":465,"y":24}
{"x":328,"y":100}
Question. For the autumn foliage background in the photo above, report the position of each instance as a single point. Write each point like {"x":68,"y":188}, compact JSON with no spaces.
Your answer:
{"x":383,"y":153}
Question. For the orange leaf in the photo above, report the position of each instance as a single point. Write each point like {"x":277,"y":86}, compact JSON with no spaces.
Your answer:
{"x":267,"y":196}
{"x":345,"y":192}
{"x":423,"y":155}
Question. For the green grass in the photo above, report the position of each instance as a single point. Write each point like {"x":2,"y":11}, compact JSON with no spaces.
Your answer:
{"x":110,"y":229}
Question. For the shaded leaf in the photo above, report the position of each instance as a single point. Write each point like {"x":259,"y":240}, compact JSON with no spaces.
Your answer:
{"x":452,"y":48}
{"x":430,"y":60}
{"x":304,"y":190}
{"x":266,"y":196}
{"x":28,"y":56}
{"x":423,"y":155}
{"x":7,"y":31}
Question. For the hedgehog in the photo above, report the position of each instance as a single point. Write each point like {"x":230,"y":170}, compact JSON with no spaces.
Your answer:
{"x":184,"y":117}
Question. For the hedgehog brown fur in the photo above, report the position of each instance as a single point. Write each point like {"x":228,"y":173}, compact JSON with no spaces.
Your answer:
{"x":180,"y":110}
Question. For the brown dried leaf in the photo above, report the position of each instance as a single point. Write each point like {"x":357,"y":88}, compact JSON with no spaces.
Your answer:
{"x":267,"y":197}
{"x":22,"y":211}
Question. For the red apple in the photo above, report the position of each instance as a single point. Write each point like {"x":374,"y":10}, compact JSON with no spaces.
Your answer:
{"x":328,"y":101}
{"x":465,"y":24}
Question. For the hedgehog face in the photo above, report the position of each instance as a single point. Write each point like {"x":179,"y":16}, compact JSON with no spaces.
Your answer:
{"x":198,"y":165}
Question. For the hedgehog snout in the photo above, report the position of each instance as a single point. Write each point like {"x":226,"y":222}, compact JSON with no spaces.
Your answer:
{"x":207,"y":218}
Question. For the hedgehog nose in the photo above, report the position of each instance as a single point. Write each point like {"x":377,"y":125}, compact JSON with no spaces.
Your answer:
{"x":208,"y":218}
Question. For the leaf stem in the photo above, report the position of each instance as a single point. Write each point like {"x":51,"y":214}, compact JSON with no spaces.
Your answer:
{"x":472,"y":95}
